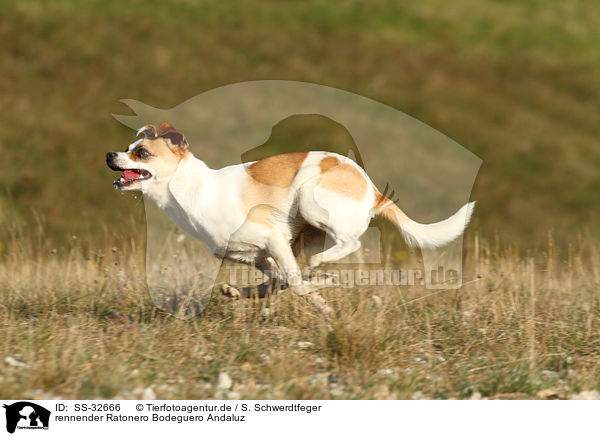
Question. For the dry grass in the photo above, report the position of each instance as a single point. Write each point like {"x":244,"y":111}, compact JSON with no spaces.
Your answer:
{"x":83,"y":324}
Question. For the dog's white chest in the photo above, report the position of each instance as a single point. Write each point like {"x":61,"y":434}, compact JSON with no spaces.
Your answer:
{"x":192,"y":226}
{"x":198,"y":203}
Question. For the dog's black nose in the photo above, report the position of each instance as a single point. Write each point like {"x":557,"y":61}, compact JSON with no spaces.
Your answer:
{"x":109,"y":161}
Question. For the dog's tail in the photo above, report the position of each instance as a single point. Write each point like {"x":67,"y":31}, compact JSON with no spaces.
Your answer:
{"x":425,"y":235}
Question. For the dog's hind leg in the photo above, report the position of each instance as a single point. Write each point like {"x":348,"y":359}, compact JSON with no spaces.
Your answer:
{"x":281,"y":251}
{"x":344,"y":222}
{"x":341,"y":249}
{"x":336,"y":211}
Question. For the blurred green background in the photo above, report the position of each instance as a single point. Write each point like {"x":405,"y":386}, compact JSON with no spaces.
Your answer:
{"x":517,"y":83}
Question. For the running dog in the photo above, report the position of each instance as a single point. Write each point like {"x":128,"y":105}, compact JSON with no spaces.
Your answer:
{"x":253,"y":212}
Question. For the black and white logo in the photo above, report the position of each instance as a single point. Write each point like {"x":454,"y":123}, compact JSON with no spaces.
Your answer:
{"x":26,"y":415}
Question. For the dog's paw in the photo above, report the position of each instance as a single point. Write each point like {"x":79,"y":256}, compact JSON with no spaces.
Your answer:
{"x":230,"y":291}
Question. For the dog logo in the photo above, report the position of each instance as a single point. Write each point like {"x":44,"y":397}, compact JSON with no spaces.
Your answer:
{"x":26,"y":415}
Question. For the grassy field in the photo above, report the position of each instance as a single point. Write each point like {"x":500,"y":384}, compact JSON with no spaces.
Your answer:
{"x":517,"y":83}
{"x":80,"y":324}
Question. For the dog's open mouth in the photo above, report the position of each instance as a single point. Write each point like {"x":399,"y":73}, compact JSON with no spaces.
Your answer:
{"x":130,"y":176}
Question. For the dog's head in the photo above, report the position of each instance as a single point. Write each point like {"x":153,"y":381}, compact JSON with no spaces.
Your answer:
{"x":152,"y":159}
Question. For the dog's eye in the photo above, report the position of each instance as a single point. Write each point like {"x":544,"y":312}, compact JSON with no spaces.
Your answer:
{"x":143,"y":153}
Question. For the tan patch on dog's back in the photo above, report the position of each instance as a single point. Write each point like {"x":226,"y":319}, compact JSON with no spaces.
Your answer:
{"x":342,"y":178}
{"x":328,"y":163}
{"x":270,"y":180}
{"x":278,"y":170}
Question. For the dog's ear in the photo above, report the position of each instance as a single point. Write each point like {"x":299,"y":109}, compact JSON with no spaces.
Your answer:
{"x":176,"y":138}
{"x":148,"y":130}
{"x":164,"y":128}
{"x":167,"y":131}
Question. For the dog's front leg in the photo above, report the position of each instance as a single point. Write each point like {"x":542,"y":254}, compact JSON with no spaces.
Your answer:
{"x":273,"y":285}
{"x":282,"y":253}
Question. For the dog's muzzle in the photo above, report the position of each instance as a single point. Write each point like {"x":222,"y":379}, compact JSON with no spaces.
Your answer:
{"x":130,"y":176}
{"x":110,"y":157}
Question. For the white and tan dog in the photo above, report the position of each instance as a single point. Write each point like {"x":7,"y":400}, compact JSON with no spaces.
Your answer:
{"x":252,"y":212}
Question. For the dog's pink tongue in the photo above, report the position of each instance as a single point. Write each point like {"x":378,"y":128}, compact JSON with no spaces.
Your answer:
{"x":129,"y":175}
